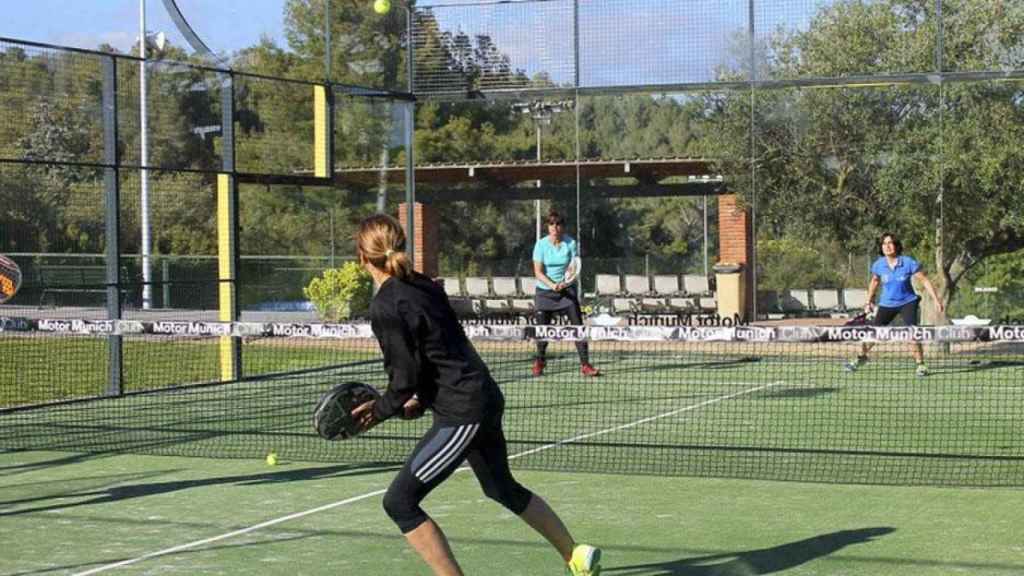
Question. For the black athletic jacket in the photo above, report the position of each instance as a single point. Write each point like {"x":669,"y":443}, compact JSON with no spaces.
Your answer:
{"x":426,"y":352}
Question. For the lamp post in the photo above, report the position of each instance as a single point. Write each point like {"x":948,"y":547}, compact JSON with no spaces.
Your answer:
{"x":146,"y":242}
{"x":541,"y":112}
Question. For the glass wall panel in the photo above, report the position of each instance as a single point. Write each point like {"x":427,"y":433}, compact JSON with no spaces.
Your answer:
{"x":835,"y":167}
{"x":830,"y":38}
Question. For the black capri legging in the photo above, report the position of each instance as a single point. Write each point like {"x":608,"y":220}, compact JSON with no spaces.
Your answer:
{"x":439,"y":453}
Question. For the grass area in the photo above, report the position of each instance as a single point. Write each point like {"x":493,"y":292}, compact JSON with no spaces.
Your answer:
{"x":45,"y":369}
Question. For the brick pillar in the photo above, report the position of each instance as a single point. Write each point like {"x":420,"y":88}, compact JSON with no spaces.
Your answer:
{"x":736,"y":241}
{"x":426,"y":224}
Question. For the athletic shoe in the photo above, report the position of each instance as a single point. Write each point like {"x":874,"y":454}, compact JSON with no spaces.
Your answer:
{"x":588,"y":370}
{"x":921,"y":371}
{"x":853,"y":365}
{"x":538,"y":366}
{"x":585,"y":561}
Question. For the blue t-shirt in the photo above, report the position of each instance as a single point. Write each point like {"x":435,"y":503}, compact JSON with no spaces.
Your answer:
{"x":896,"y":287}
{"x":555,"y":259}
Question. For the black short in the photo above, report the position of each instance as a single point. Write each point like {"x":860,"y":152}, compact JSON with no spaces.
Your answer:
{"x":554,"y":301}
{"x":909,"y":313}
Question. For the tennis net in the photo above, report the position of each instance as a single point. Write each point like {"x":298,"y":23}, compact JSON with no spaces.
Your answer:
{"x":742,"y":402}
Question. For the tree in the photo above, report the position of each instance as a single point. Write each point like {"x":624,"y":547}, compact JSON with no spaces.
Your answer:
{"x":59,"y":206}
{"x":366,"y":47}
{"x":1001,"y":296}
{"x":937,"y":164}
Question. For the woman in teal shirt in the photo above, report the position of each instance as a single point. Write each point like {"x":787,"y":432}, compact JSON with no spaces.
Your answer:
{"x":551,"y":256}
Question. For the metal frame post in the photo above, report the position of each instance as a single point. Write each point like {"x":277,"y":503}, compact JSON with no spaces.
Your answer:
{"x":112,"y":202}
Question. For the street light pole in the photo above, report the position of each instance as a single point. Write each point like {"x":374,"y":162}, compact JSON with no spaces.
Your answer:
{"x":536,"y":203}
{"x":541,"y":112}
{"x":147,"y":274}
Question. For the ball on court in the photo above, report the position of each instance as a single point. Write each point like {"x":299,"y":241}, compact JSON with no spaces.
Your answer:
{"x":272,"y":459}
{"x":381,"y":6}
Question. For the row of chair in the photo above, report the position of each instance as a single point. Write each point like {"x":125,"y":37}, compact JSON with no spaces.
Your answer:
{"x":629,"y":285}
{"x":818,"y":301}
{"x":477,"y":295}
{"x":657,"y":294}
{"x":495,"y":295}
{"x":635,"y":293}
{"x":659,"y":285}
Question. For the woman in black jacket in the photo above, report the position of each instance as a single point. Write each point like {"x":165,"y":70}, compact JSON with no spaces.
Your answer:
{"x":432,"y":365}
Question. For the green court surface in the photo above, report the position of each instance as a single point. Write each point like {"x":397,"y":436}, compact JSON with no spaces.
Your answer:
{"x":701,"y":459}
{"x":65,"y":513}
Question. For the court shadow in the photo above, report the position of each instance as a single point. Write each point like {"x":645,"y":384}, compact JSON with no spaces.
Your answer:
{"x":178,"y":553}
{"x":602,"y":402}
{"x":794,"y":393}
{"x":655,"y":367}
{"x":65,"y":487}
{"x":616,"y":368}
{"x":753,"y":562}
{"x":128,"y":491}
{"x":30,"y":466}
{"x":982,"y":365}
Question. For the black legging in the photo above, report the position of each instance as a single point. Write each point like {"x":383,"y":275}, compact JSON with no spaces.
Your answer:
{"x":575,"y":318}
{"x":440,"y":452}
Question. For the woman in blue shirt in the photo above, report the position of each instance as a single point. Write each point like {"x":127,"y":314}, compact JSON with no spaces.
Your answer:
{"x":551,"y":256}
{"x":893,"y":272}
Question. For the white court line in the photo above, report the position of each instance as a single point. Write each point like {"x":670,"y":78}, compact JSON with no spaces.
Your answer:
{"x":166,"y":551}
{"x":325,"y":507}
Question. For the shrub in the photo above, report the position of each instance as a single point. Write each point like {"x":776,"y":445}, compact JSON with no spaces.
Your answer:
{"x":341,"y":293}
{"x":787,"y":263}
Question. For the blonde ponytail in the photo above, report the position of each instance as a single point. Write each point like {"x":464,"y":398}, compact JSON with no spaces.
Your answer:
{"x":398,"y":264}
{"x":381,"y":241}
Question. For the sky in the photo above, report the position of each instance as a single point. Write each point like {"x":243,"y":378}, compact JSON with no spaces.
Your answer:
{"x":623,"y":42}
{"x":226,"y":25}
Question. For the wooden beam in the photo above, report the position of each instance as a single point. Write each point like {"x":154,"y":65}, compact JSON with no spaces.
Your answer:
{"x":518,"y":172}
{"x":284,"y":179}
{"x":432,"y":195}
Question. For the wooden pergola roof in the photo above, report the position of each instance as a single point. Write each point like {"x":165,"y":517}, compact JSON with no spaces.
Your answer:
{"x":646,"y":178}
{"x":515,"y":172}
{"x":518,"y":180}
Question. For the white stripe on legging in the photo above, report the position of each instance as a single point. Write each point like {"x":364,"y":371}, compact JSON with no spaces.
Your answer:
{"x":447,"y":454}
{"x":439,"y":450}
{"x":443,"y":452}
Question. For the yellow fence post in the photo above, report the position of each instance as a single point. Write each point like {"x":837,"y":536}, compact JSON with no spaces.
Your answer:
{"x":226,"y":273}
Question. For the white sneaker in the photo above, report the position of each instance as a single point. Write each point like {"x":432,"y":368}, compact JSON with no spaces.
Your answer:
{"x":853,"y":365}
{"x":585,"y":561}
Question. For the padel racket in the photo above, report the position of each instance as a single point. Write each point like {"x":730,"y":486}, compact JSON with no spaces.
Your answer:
{"x":332,"y":418}
{"x":862,"y":319}
{"x":572,"y":271}
{"x":10,"y":279}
